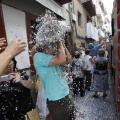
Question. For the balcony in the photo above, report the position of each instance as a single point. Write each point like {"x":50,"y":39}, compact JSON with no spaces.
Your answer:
{"x":62,"y":2}
{"x":99,"y":12}
{"x":89,"y":6}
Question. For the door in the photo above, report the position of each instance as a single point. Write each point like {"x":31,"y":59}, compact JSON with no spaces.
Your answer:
{"x":30,"y":20}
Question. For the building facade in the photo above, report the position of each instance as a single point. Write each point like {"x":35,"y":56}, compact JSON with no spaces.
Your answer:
{"x":83,"y":10}
{"x":91,"y":22}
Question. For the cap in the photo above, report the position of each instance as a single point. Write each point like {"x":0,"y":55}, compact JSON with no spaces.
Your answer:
{"x":90,"y":45}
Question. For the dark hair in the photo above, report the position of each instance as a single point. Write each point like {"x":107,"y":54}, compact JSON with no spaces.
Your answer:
{"x":101,"y":53}
{"x":15,"y":64}
{"x":87,"y":51}
{"x":77,"y":54}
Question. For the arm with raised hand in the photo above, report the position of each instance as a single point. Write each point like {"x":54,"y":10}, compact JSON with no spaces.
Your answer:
{"x":102,"y":42}
{"x":68,"y":56}
{"x":60,"y":58}
{"x":14,"y":48}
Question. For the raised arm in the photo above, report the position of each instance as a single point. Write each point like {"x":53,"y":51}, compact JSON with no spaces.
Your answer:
{"x":68,"y":56}
{"x":102,"y":42}
{"x":14,"y":48}
{"x":60,"y":58}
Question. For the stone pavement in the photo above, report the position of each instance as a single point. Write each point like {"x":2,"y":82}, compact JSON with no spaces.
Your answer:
{"x":89,"y":108}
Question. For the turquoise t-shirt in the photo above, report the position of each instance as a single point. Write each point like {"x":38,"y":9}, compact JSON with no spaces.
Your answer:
{"x":52,"y":78}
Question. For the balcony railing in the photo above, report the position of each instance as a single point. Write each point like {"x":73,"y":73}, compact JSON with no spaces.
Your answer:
{"x":62,"y":2}
{"x":89,"y":6}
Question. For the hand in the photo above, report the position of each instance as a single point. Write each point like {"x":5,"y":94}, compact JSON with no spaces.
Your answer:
{"x":15,"y":47}
{"x":15,"y":77}
{"x":63,"y":43}
{"x":94,"y":58}
{"x":102,"y":42}
{"x":2,"y":44}
{"x":59,"y":44}
{"x":85,"y":67}
{"x":32,"y":52}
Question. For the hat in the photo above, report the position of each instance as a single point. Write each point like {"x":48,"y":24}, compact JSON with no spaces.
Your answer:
{"x":49,"y":30}
{"x":90,"y":45}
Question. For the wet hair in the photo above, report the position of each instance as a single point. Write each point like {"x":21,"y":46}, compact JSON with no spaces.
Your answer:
{"x":101,"y":53}
{"x":87,"y":51}
{"x":77,"y":54}
{"x":15,"y":64}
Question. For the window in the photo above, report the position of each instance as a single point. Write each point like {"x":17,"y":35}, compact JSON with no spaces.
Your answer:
{"x":79,"y":19}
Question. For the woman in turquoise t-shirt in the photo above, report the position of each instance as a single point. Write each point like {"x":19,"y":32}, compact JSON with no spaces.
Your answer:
{"x":59,"y":101}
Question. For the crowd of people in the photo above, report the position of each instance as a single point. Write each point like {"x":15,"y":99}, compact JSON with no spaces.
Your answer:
{"x":87,"y":70}
{"x":94,"y":76}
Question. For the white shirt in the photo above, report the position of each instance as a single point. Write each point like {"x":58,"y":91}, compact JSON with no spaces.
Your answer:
{"x":83,"y":54}
{"x":88,"y":63}
{"x":106,"y":54}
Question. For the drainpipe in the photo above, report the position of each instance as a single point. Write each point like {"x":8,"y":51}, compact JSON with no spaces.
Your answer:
{"x":72,"y":30}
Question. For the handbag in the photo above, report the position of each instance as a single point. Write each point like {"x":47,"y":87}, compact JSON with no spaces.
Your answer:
{"x":32,"y":115}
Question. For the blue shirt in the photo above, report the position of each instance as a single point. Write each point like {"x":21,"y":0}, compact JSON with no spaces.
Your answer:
{"x":53,"y":80}
{"x":94,"y":51}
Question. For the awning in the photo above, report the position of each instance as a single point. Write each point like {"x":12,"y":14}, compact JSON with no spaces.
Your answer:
{"x":52,"y":5}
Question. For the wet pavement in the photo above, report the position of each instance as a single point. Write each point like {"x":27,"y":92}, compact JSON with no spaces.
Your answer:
{"x":89,"y":108}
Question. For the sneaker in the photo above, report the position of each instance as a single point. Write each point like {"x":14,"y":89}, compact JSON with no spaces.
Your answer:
{"x":104,"y":95}
{"x":95,"y":96}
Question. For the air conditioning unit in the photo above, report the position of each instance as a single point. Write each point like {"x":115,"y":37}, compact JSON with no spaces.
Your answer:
{"x":74,"y":17}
